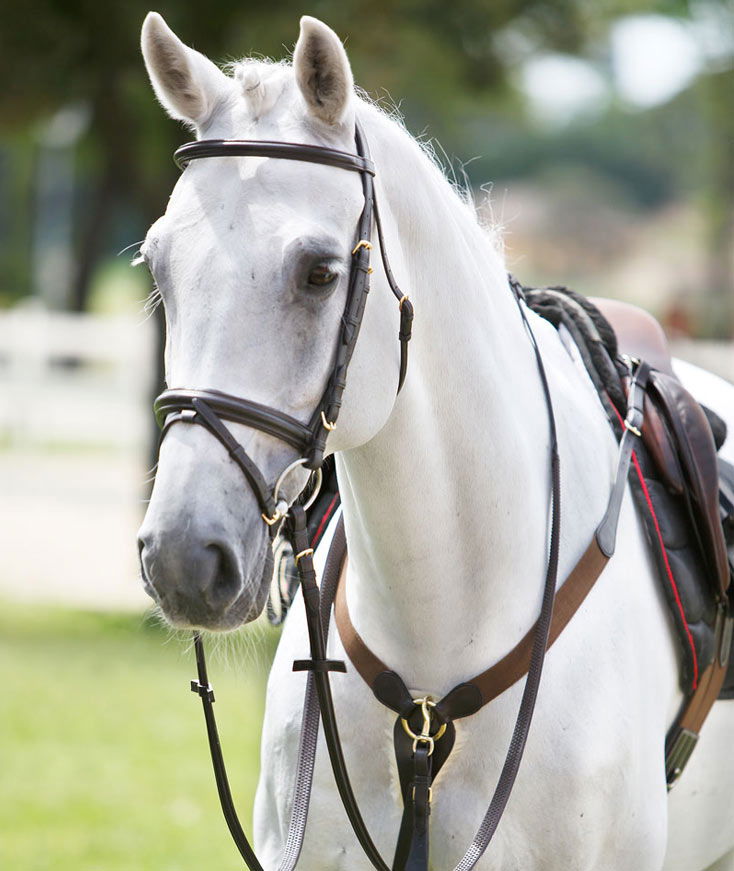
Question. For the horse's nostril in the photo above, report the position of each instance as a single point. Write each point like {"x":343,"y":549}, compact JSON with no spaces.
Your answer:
{"x":223,"y":584}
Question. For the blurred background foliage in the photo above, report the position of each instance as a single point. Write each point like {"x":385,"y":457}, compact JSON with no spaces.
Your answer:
{"x":604,"y":128}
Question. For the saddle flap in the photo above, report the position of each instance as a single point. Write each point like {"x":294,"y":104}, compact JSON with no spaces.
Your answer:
{"x":688,"y":435}
{"x":658,"y":441}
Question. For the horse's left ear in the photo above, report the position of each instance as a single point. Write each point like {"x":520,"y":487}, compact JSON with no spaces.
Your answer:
{"x":322,"y":70}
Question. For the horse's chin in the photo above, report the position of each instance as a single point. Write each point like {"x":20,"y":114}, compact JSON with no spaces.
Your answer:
{"x":199,"y":616}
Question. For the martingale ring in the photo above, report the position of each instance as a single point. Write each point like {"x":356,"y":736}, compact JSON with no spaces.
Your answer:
{"x":284,"y":474}
{"x":425,"y":737}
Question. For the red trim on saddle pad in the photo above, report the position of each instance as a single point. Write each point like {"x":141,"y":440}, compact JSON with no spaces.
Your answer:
{"x":324,"y":520}
{"x":668,"y":569}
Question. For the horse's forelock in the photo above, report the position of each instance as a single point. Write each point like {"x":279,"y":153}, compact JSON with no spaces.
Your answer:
{"x":262,"y":82}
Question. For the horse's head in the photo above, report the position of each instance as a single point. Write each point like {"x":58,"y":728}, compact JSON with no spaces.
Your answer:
{"x":252,"y":261}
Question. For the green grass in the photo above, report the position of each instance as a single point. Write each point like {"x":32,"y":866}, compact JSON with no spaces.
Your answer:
{"x":103,"y":759}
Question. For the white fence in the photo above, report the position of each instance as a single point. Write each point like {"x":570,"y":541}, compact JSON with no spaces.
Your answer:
{"x":86,"y":379}
{"x":70,"y":379}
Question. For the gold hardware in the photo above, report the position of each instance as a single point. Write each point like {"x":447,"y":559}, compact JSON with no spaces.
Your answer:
{"x":370,"y":270}
{"x":278,"y":515}
{"x":632,"y":429}
{"x":430,"y":794}
{"x":307,"y":552}
{"x":424,"y":739}
{"x":363,"y":243}
{"x":425,"y":736}
{"x":329,"y":426}
{"x":402,"y":299}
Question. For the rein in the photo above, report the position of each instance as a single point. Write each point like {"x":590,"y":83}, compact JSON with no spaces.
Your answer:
{"x":424,"y":730}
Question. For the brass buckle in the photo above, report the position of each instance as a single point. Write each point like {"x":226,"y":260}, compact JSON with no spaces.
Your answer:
{"x":425,"y":737}
{"x":307,"y":552}
{"x":363,"y":243}
{"x":328,"y":425}
{"x":632,"y":428}
{"x":430,"y":794}
{"x":278,"y":515}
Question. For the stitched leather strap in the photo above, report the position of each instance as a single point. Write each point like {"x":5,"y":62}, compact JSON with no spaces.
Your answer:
{"x":495,"y":680}
{"x":683,"y":737}
{"x":606,"y":532}
{"x":285,"y":150}
{"x":233,"y":408}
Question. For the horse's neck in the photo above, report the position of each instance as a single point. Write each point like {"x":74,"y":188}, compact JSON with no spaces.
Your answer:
{"x":446,"y":509}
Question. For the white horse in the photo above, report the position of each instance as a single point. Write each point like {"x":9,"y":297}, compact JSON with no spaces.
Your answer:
{"x":445,"y":489}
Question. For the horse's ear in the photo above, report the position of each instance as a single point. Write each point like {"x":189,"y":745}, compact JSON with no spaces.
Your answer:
{"x":322,"y":70}
{"x":188,"y":84}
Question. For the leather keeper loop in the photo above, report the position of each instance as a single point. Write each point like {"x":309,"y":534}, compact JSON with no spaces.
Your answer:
{"x":319,"y":665}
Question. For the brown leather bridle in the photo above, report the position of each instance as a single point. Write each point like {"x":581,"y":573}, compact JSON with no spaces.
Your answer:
{"x":209,"y":407}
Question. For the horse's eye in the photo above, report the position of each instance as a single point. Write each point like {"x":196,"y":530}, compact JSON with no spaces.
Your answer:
{"x":322,"y":276}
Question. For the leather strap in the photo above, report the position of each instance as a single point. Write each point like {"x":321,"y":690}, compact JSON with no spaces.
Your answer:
{"x":495,"y":680}
{"x":413,"y":835}
{"x":297,"y":532}
{"x":406,"y":306}
{"x":286,"y":150}
{"x":683,"y":737}
{"x":606,"y":532}
{"x":469,"y":696}
{"x":232,"y":408}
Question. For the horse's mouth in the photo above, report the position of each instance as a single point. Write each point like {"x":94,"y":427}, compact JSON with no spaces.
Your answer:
{"x":186,"y":612}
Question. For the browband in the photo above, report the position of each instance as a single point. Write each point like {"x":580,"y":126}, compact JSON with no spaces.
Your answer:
{"x":285,"y":150}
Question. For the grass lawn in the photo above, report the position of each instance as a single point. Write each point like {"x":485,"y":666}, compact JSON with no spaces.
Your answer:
{"x":104,"y":764}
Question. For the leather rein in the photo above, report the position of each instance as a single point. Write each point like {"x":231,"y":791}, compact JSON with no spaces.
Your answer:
{"x":424,"y":731}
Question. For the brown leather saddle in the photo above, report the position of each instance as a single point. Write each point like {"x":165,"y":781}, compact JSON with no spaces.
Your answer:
{"x":682,"y":484}
{"x":677,"y":431}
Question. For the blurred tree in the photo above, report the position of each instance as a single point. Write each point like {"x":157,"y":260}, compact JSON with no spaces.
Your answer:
{"x":453,"y":65}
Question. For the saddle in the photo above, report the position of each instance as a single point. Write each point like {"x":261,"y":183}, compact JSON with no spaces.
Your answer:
{"x":682,"y":489}
{"x":678,"y":433}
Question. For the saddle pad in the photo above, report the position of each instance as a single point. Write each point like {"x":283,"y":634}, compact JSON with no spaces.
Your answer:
{"x":673,"y":478}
